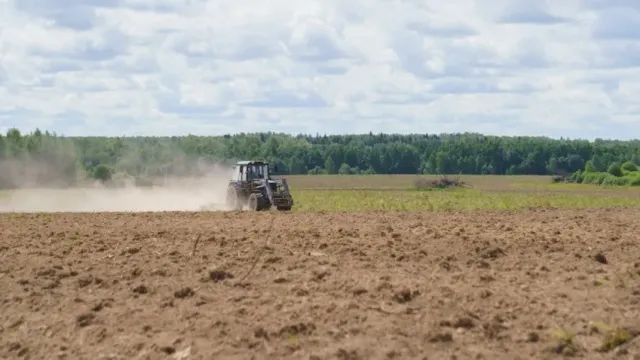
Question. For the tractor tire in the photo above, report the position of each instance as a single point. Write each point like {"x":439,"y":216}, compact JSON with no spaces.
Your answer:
{"x":257,"y":202}
{"x":234,"y":199}
{"x":284,"y":208}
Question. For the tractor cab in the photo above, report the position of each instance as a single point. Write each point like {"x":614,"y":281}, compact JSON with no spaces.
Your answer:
{"x":251,"y":171}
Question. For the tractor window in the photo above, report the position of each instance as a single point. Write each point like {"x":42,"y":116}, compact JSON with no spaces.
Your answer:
{"x":264,"y":171}
{"x":254,"y":172}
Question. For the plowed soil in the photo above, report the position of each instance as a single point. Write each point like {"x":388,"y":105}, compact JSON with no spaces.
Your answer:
{"x":486,"y":285}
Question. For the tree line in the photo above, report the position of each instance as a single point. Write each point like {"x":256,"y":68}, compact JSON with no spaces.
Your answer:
{"x":47,"y":158}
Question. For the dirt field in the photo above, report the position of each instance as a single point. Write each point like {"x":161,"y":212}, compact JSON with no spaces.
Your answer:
{"x":491,"y":285}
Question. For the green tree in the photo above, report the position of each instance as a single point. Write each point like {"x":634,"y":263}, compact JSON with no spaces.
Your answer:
{"x":330,"y":166}
{"x":598,"y":163}
{"x":615,"y":170}
{"x":444,"y":163}
{"x":345,"y":169}
{"x":431,"y":166}
{"x":102,"y":173}
{"x":629,"y":166}
{"x":589,"y":168}
{"x":553,"y":165}
{"x":317,"y":171}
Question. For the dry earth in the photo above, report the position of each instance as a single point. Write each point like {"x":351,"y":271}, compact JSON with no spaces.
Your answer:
{"x":492,"y":285}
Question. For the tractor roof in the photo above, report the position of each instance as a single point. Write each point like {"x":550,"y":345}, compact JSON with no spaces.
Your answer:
{"x":251,"y":162}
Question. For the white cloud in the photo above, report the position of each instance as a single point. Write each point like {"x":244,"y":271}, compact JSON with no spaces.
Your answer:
{"x":563,"y":68}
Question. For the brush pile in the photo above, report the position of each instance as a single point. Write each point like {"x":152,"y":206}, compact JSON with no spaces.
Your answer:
{"x":442,"y":183}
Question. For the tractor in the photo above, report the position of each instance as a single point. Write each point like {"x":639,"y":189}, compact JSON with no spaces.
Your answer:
{"x":252,"y":186}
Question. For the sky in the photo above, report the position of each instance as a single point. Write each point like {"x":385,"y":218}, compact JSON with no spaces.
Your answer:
{"x":567,"y":68}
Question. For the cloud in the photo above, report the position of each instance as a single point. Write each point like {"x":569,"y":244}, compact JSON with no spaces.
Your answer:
{"x":618,"y":23}
{"x":529,"y":12}
{"x":171,"y":67}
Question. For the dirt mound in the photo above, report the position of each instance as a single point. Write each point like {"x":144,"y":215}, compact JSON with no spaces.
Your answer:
{"x":494,"y":285}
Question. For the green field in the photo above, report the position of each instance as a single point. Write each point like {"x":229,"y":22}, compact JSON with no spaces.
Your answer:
{"x":449,"y":200}
{"x":396,"y":192}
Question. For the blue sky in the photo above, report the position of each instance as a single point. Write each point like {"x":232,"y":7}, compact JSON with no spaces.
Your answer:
{"x":170,"y":67}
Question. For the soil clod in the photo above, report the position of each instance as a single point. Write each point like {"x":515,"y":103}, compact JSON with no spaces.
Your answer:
{"x":85,"y":319}
{"x":405,"y":295}
{"x":217,"y":275}
{"x":184,"y":293}
{"x":441,"y":337}
{"x":140,"y":289}
{"x":599,"y":257}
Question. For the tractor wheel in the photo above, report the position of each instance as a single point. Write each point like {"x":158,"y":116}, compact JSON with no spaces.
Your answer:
{"x":233,"y":199}
{"x":256,"y":202}
{"x":284,"y":208}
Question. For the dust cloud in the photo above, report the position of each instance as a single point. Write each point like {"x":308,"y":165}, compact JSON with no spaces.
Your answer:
{"x":203,"y":196}
{"x":187,"y":192}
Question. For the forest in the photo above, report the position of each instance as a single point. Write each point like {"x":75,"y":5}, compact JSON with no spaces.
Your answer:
{"x":46,"y":158}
